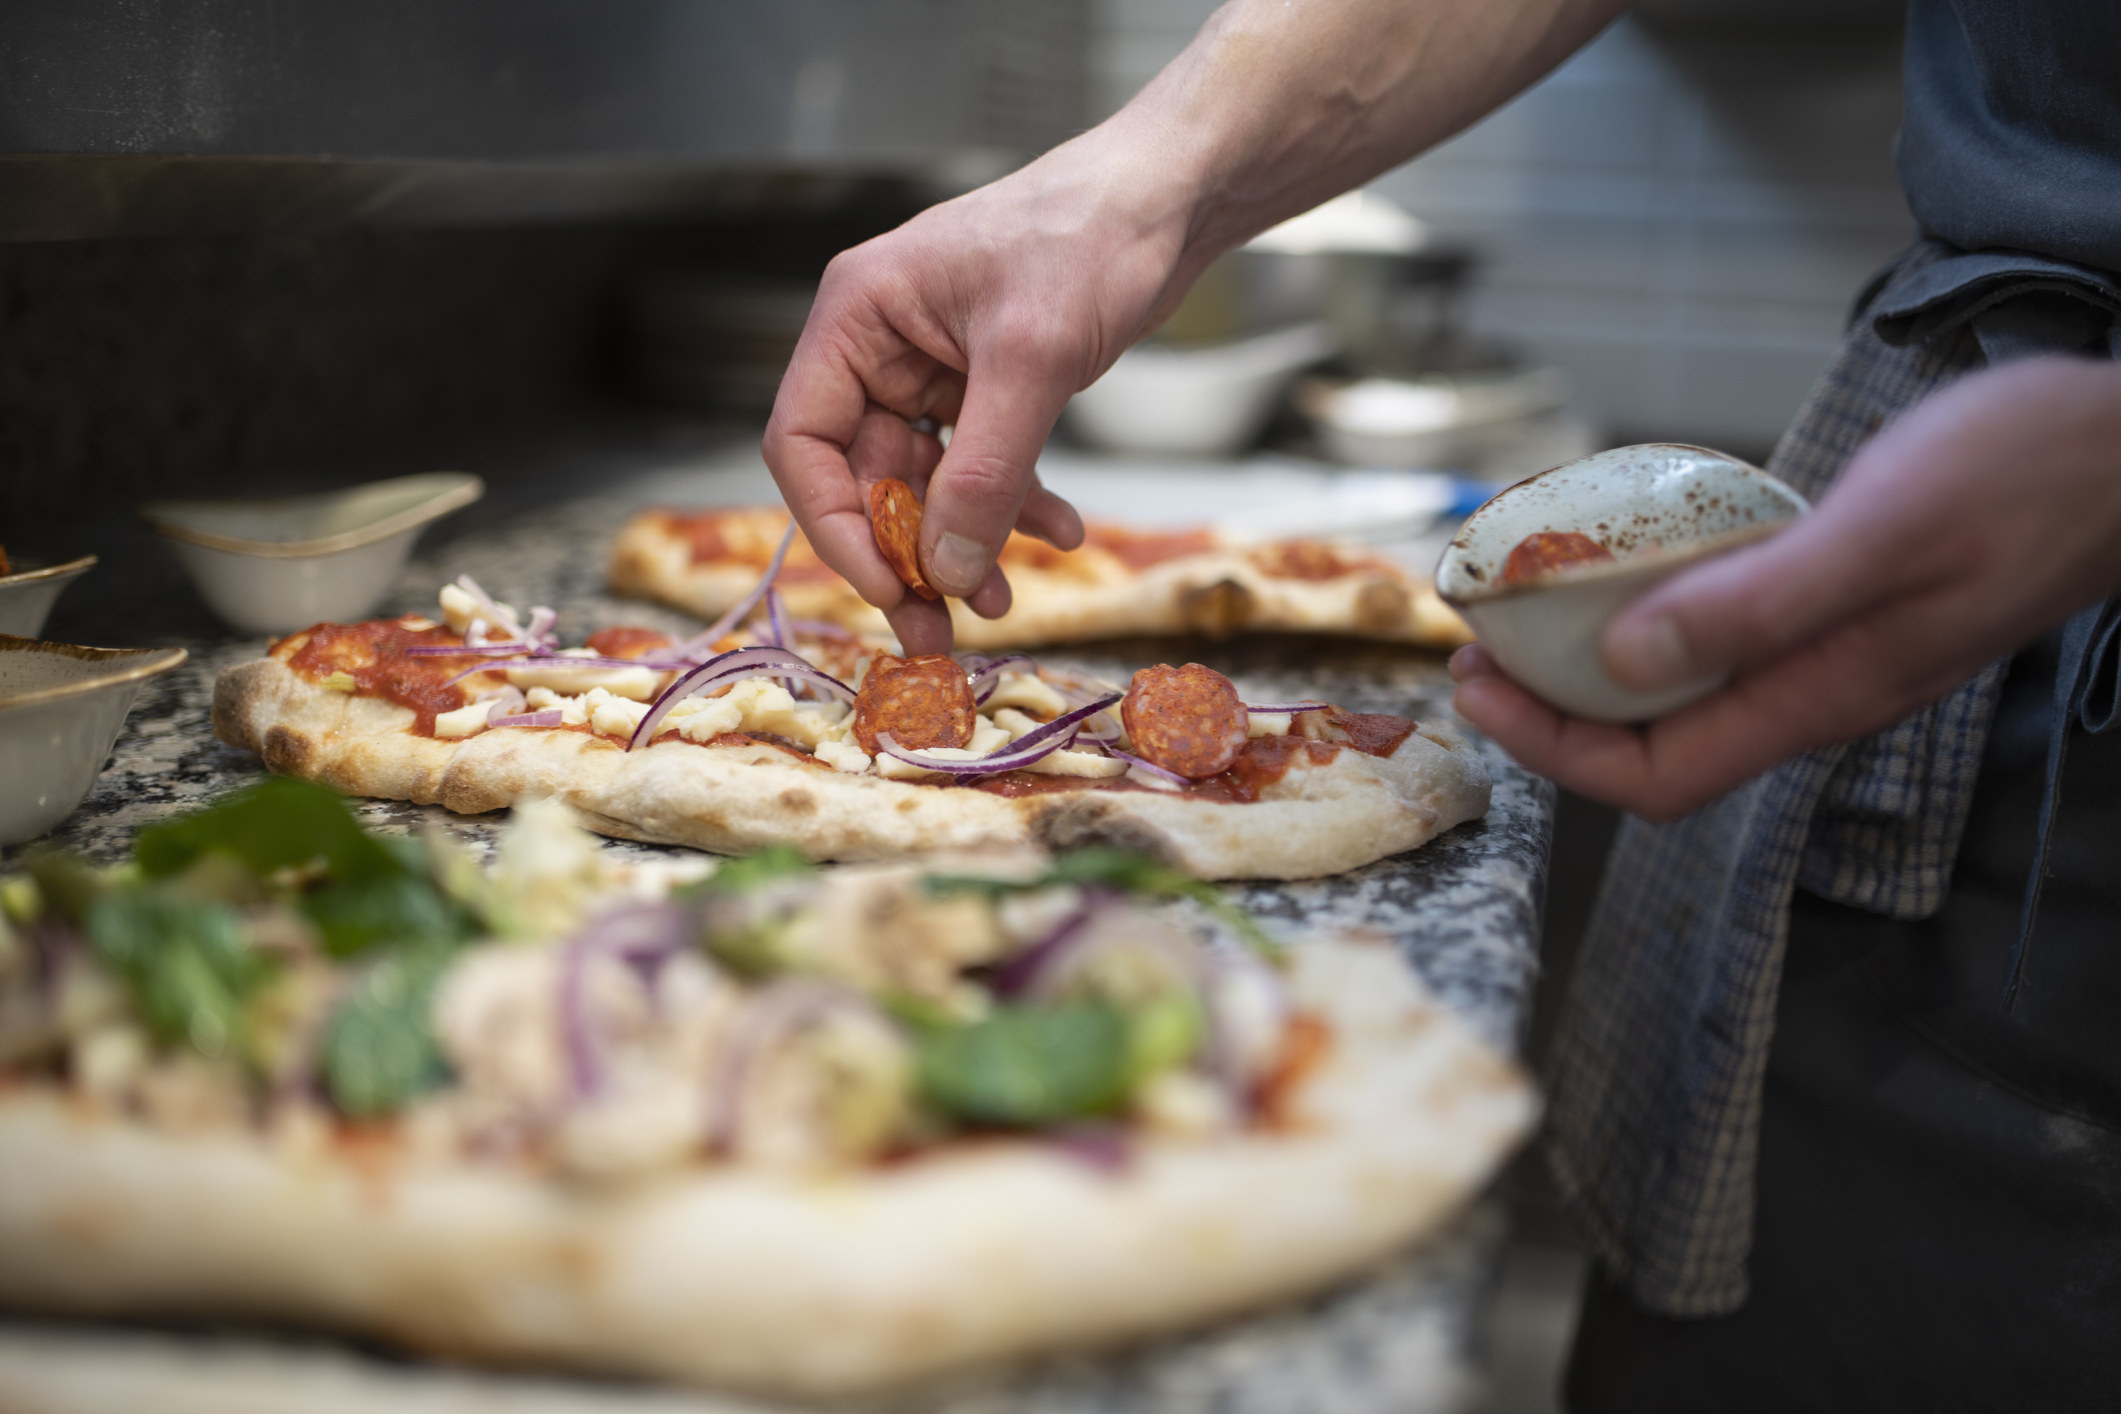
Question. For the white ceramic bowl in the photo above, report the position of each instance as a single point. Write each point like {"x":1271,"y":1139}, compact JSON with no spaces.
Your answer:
{"x":27,"y":595}
{"x":1431,"y":422}
{"x":1658,"y":508}
{"x":276,"y":564}
{"x":60,"y":710}
{"x":1188,"y":402}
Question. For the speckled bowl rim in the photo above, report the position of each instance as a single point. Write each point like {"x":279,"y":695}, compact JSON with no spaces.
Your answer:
{"x":130,"y":664}
{"x":71,"y":567}
{"x":467,"y":490}
{"x":1621,"y":568}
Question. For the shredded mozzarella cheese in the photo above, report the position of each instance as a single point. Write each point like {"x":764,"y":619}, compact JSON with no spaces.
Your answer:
{"x":467,"y":720}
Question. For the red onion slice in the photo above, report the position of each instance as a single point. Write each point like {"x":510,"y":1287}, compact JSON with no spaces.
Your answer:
{"x":643,"y":936}
{"x":1286,"y":708}
{"x":987,"y":673}
{"x":550,"y":717}
{"x":774,"y":1013}
{"x":483,"y":650}
{"x":1032,"y":746}
{"x":491,"y":616}
{"x":1022,"y":969}
{"x":731,"y":667}
{"x":691,"y":649}
{"x":1150,"y":766}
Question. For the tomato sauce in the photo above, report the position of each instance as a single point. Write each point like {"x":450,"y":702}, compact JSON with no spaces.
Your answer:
{"x":627,"y":641}
{"x":1307,"y":560}
{"x":1136,"y":549}
{"x":1266,"y":759}
{"x":373,"y":655}
{"x":1305,"y":1043}
{"x":747,"y":537}
{"x":1140,"y":549}
{"x":1550,"y":550}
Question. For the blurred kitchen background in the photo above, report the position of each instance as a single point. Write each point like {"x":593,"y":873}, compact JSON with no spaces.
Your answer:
{"x":258,"y":244}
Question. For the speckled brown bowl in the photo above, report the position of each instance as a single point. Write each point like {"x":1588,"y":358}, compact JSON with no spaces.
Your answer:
{"x":61,"y":708}
{"x":1659,"y":508}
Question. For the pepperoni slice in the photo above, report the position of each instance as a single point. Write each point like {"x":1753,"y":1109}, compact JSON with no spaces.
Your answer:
{"x":1189,"y":720}
{"x":923,"y":702}
{"x":1551,"y":550}
{"x":895,"y":517}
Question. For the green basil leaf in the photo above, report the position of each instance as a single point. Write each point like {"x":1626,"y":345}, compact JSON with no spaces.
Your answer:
{"x":187,"y":962}
{"x":748,"y":872}
{"x":1127,"y":872}
{"x":401,"y":910}
{"x":1163,"y":1034}
{"x":276,"y":824}
{"x":380,"y":1052}
{"x":1022,"y":1067}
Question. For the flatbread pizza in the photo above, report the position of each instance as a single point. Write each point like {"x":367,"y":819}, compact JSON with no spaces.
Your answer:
{"x":760,"y":1126}
{"x":1122,"y":582}
{"x":810,"y":736}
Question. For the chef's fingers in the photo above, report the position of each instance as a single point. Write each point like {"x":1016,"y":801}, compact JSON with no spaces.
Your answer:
{"x":922,"y":625}
{"x":1050,"y":518}
{"x":887,"y":445}
{"x":993,"y":598}
{"x":818,"y":415}
{"x":1854,"y":680}
{"x":1011,"y":402}
{"x":1748,"y":607}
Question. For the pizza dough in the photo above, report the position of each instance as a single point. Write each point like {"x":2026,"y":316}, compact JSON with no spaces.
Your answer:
{"x":825,"y":1286}
{"x":1123,"y":582}
{"x":1321,"y":817}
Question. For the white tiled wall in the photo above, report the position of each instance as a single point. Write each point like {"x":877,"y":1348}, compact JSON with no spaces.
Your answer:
{"x":1680,"y":224}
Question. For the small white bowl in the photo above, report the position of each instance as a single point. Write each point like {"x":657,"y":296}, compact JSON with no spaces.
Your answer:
{"x":1194,"y":402}
{"x":1658,"y":508}
{"x":60,"y":710}
{"x":27,"y":595}
{"x":1430,"y":422}
{"x":276,"y":564}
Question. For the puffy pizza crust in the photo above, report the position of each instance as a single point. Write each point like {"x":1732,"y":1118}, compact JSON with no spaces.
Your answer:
{"x":788,"y":1285}
{"x":1216,"y":593}
{"x":1318,"y":820}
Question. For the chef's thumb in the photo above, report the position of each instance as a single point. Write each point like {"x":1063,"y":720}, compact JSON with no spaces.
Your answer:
{"x":990,"y":466}
{"x":1743,"y":608}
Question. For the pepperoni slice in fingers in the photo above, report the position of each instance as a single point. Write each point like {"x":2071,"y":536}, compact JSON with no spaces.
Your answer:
{"x":923,"y":702}
{"x":1189,"y":720}
{"x":895,"y":519}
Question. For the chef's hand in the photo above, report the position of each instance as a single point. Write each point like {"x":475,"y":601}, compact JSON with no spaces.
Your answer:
{"x":1986,"y":515}
{"x":984,"y":314}
{"x":987,"y":313}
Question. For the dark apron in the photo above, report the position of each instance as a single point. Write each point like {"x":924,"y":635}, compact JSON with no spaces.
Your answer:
{"x":1938,"y":1223}
{"x":1939,"y":1219}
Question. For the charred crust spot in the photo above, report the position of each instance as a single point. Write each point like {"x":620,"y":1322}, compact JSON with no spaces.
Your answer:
{"x":1217,"y":610}
{"x":908,"y":805}
{"x":286,"y":751}
{"x":1065,"y":822}
{"x":797,"y":801}
{"x":1382,"y":605}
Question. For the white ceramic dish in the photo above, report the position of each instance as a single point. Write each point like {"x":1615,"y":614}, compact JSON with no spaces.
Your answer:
{"x":1437,"y":422}
{"x":276,"y":564}
{"x":61,"y":707}
{"x":1205,"y":402}
{"x":1658,"y":508}
{"x":27,"y":595}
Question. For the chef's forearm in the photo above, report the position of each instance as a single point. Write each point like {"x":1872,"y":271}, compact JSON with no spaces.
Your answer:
{"x":1279,"y":104}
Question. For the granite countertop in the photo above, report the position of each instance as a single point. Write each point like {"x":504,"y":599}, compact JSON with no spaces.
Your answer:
{"x":1465,"y":909}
